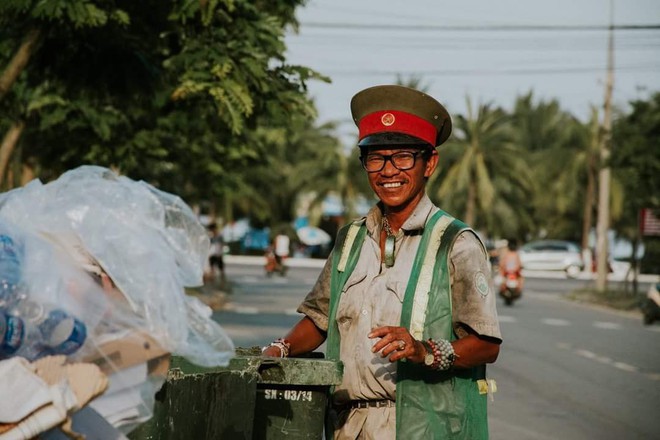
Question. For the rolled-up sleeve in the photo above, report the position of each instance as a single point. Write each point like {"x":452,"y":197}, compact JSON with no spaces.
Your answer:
{"x":473,"y":296}
{"x":316,"y":305}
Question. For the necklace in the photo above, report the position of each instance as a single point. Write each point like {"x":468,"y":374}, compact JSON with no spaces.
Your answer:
{"x":389,"y":243}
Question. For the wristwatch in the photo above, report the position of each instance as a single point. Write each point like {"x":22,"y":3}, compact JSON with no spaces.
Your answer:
{"x":428,"y":357}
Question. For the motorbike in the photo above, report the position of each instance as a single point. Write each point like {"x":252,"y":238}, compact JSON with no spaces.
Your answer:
{"x":274,"y":264}
{"x":510,"y":287}
{"x":651,"y":304}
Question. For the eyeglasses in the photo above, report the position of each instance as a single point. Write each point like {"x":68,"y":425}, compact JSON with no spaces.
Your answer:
{"x":402,"y":161}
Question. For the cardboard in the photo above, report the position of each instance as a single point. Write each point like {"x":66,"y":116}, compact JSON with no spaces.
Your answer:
{"x":126,"y":351}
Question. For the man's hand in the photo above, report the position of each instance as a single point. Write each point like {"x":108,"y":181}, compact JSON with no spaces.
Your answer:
{"x":397,"y":343}
{"x":272,"y":351}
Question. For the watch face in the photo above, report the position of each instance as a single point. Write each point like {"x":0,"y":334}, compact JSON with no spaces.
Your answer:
{"x":428,"y":359}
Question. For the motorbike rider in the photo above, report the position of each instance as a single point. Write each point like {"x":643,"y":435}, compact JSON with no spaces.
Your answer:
{"x":509,"y":263}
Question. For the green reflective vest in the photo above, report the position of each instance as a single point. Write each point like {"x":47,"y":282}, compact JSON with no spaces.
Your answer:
{"x":429,"y":404}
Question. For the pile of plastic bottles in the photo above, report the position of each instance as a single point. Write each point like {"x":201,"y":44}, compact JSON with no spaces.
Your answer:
{"x":29,"y":328}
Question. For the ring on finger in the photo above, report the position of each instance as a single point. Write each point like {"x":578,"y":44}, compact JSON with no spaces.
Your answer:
{"x":401,"y":345}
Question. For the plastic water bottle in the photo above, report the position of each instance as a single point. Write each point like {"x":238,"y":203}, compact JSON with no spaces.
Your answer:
{"x":12,"y":333}
{"x":11,"y":256}
{"x":62,"y":333}
{"x":49,"y":330}
{"x":12,"y":328}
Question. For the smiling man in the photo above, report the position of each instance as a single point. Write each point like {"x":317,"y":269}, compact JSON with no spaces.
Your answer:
{"x":405,"y":299}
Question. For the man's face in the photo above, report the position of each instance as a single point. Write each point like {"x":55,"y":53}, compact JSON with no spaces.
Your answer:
{"x":399,"y":189}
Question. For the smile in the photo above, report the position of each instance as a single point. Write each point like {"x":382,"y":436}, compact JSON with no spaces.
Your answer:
{"x":392,"y":185}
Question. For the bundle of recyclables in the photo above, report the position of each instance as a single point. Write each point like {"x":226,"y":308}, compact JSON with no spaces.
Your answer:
{"x":93,"y":267}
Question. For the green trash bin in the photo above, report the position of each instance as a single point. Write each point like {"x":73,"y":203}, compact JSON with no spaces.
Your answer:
{"x":252,"y":398}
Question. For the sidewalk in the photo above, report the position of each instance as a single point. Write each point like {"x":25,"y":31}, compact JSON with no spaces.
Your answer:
{"x":619,"y":274}
{"x":257,"y":260}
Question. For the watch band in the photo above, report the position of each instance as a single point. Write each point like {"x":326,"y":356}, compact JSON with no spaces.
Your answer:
{"x":429,"y":357}
{"x":443,"y":354}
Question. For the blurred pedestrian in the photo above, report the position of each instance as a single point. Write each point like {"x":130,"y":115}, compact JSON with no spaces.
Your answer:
{"x":282,"y":245}
{"x":276,"y":253}
{"x":216,"y":264}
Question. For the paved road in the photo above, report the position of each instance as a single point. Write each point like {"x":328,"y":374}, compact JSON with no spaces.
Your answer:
{"x":566,"y":371}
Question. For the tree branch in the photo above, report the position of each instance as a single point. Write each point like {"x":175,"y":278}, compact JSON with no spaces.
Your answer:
{"x":9,"y":144}
{"x":19,"y":61}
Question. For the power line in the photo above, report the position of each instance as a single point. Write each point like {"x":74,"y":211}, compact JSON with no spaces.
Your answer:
{"x":476,"y":39}
{"x":476,"y":45}
{"x":480,"y":72}
{"x":452,"y":28}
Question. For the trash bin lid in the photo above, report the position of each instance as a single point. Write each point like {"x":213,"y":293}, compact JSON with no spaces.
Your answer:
{"x":312,"y":370}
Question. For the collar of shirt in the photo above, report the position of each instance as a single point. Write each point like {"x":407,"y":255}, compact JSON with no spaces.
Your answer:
{"x":415,"y":222}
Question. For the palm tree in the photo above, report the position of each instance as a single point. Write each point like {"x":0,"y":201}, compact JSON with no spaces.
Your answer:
{"x":545,"y":132}
{"x":575,"y":175}
{"x":483,"y":173}
{"x":327,"y":168}
{"x":565,"y":161}
{"x":585,"y":166}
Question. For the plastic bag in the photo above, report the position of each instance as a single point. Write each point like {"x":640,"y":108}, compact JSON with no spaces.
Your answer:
{"x":147,"y":241}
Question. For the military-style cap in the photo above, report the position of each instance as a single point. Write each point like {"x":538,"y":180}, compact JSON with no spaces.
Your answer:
{"x":398,"y":115}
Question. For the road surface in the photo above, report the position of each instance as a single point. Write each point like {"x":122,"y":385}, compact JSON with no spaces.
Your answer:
{"x":566,"y":371}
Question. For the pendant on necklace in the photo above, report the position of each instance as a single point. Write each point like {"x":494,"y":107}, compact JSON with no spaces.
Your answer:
{"x":389,"y":250}
{"x":389,"y":243}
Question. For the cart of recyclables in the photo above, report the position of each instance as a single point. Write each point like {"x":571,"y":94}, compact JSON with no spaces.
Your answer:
{"x":93,"y":270}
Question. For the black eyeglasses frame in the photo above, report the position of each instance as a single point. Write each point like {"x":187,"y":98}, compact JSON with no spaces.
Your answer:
{"x":388,"y":157}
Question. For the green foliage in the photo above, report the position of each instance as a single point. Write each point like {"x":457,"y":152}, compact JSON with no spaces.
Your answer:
{"x":197,"y":97}
{"x":76,"y":13}
{"x":636,"y":152}
{"x":483,"y":176}
{"x":557,"y":147}
{"x":299,"y":158}
{"x":635,"y":161}
{"x":534,"y":172}
{"x":173,"y":92}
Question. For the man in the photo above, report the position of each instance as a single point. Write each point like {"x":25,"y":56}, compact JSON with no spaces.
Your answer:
{"x":404,"y":300}
{"x":282,"y":244}
{"x":215,"y":267}
{"x":510,"y":264}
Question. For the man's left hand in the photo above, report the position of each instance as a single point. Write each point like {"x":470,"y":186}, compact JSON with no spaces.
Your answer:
{"x":397,"y":343}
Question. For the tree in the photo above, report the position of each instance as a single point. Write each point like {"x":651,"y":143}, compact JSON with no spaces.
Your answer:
{"x":546,"y":134}
{"x":164,"y":91}
{"x":635,"y":164}
{"x":482,"y":173}
{"x":587,"y":161}
{"x":329,"y":169}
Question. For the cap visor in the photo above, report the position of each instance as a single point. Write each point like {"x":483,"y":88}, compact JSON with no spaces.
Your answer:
{"x":393,"y":139}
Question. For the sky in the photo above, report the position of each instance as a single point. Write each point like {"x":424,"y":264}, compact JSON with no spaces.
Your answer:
{"x":487,"y":51}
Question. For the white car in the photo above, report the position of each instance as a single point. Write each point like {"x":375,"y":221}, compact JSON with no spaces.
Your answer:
{"x":552,"y":255}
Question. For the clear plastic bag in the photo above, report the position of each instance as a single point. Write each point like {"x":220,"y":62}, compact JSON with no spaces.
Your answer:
{"x":149,"y":243}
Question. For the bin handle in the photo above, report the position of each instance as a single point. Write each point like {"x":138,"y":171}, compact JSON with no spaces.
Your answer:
{"x":268,"y":364}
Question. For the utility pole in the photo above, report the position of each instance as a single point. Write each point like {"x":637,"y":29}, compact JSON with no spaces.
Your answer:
{"x":603,"y":223}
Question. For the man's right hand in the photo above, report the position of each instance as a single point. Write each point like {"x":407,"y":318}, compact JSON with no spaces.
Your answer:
{"x":272,"y":351}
